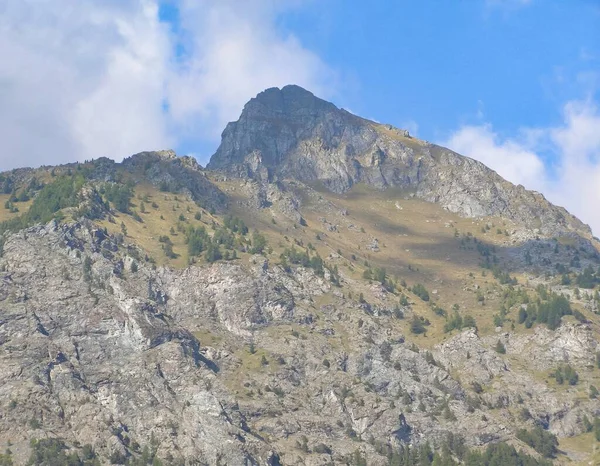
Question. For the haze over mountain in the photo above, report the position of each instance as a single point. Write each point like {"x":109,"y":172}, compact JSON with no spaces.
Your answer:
{"x":328,"y":290}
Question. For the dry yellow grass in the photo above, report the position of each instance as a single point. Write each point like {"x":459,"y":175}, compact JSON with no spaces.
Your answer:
{"x":208,"y":338}
{"x":417,"y":244}
{"x":5,"y":214}
{"x":581,"y":450}
{"x":158,"y":222}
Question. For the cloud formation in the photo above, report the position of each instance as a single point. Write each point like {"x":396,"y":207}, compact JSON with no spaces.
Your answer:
{"x":574,"y":148}
{"x":79,"y":81}
{"x":235,"y":53}
{"x":92,"y":79}
{"x":510,"y":158}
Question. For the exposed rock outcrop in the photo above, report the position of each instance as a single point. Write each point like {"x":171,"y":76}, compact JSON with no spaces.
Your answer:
{"x":290,"y":133}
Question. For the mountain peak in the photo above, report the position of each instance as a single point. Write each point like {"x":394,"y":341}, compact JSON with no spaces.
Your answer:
{"x":290,"y":133}
{"x":289,"y":99}
{"x":270,"y":125}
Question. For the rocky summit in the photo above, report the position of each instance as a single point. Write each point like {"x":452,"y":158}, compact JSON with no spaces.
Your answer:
{"x":328,"y":290}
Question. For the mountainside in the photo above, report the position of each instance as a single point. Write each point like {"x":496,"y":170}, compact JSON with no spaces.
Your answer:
{"x":290,"y":133}
{"x":329,"y":290}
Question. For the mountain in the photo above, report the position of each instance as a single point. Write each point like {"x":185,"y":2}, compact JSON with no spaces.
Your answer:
{"x":328,"y":290}
{"x":290,"y":133}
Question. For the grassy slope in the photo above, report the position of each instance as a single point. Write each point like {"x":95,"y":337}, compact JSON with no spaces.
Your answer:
{"x":417,"y":243}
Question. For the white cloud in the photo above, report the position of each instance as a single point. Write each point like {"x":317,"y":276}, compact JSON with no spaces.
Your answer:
{"x":575,"y":145}
{"x":76,"y":81}
{"x":123,"y":113}
{"x":236,"y":52}
{"x":508,"y":157}
{"x":411,"y":126}
{"x":578,"y":143}
{"x":89,"y":79}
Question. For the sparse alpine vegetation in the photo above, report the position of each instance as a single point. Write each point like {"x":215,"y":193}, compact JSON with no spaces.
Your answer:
{"x":307,"y":298}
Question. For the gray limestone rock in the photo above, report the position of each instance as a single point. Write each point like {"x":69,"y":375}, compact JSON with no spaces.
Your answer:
{"x":290,"y":133}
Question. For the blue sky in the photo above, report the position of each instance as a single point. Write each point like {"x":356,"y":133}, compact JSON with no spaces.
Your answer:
{"x":442,"y":64}
{"x":435,"y":65}
{"x":513,"y":83}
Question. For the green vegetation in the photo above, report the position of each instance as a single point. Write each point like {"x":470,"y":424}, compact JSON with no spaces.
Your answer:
{"x":548,"y":312}
{"x":25,"y":194}
{"x":503,"y":277}
{"x":230,"y":237}
{"x":567,"y":373}
{"x":119,"y":194}
{"x":52,"y":198}
{"x":592,"y":426}
{"x":213,"y":253}
{"x":223,"y":237}
{"x":379,"y":274}
{"x":544,"y":442}
{"x":490,"y":261}
{"x":420,"y":291}
{"x":6,"y":459}
{"x":6,"y":184}
{"x":452,"y":452}
{"x":488,"y":252}
{"x":504,"y":455}
{"x":500,"y":348}
{"x":588,"y":279}
{"x":234,"y":224}
{"x":54,"y":452}
{"x":197,"y":240}
{"x":457,"y":322}
{"x":167,"y":246}
{"x":10,"y":206}
{"x":418,"y":325}
{"x":259,"y":243}
{"x":293,"y":256}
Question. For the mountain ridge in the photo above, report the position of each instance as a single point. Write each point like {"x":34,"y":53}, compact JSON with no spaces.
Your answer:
{"x":290,"y":133}
{"x":157,"y":312}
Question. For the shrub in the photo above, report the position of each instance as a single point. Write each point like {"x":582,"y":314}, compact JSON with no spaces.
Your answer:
{"x":545,"y":443}
{"x":500,"y":348}
{"x":51,"y":452}
{"x":62,"y":193}
{"x":417,"y":326}
{"x":421,"y":292}
{"x":120,"y":195}
{"x":259,"y":243}
{"x":168,"y":249}
{"x":213,"y":253}
{"x":322,"y":449}
{"x":385,"y":350}
{"x":197,"y":240}
{"x":566,"y":373}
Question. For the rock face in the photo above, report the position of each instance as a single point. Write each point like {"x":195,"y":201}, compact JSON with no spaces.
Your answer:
{"x":180,"y":174}
{"x":90,"y":357}
{"x":290,"y":133}
{"x":321,"y":348}
{"x":97,"y":354}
